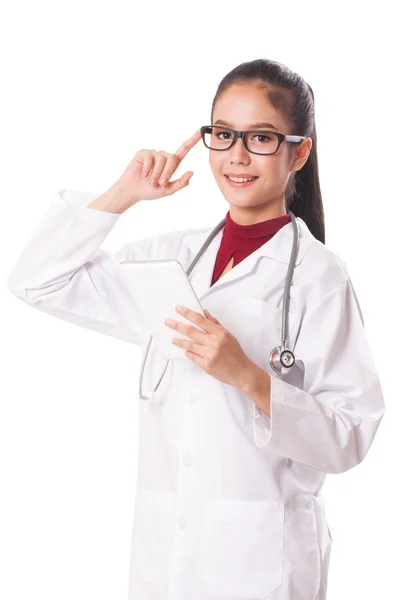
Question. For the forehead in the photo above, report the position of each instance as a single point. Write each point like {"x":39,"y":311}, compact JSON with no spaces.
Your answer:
{"x":245,"y":105}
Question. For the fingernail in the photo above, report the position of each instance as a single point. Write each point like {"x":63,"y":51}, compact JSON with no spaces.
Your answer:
{"x":162,"y":181}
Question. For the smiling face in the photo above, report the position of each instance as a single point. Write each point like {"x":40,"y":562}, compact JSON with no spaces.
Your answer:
{"x":240,"y":107}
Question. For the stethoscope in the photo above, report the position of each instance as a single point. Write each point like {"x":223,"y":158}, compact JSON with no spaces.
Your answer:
{"x":280,"y":356}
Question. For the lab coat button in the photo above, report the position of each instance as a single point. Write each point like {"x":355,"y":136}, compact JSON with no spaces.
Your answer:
{"x":181,"y":523}
{"x":187,"y":460}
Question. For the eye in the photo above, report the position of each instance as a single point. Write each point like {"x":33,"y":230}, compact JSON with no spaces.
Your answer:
{"x":262,"y":135}
{"x":227,"y":133}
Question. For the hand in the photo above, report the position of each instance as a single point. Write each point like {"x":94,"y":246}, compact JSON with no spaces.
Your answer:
{"x":217,"y":351}
{"x":149,"y":165}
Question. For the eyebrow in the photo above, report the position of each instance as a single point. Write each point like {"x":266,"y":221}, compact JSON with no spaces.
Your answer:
{"x":221,"y":122}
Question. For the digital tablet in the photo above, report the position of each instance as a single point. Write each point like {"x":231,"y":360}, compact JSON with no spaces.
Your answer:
{"x":157,"y":286}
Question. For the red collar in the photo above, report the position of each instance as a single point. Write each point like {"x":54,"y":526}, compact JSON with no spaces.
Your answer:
{"x":239,"y":236}
{"x":241,"y":240}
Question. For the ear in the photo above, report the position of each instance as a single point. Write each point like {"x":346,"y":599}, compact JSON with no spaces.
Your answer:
{"x":301,"y":153}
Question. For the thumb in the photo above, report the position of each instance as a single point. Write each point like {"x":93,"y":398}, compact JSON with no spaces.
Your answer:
{"x":174,"y":186}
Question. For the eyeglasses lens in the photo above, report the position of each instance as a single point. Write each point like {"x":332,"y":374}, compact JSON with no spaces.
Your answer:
{"x":261,"y":142}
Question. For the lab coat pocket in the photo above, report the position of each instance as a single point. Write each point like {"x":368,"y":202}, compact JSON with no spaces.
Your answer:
{"x":257,"y":325}
{"x":243,"y":547}
{"x":153,"y":534}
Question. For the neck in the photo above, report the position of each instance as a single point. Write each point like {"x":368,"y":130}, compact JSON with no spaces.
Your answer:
{"x":249,"y":215}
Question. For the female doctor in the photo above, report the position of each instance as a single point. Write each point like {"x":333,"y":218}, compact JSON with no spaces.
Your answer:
{"x":232,"y":455}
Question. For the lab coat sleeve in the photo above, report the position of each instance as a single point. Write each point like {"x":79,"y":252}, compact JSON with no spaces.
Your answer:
{"x":64,"y":272}
{"x":331,"y":422}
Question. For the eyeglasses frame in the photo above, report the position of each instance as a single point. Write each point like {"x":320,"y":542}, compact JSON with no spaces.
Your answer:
{"x":282,"y":137}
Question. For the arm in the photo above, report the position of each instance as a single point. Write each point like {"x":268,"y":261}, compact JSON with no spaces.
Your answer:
{"x":64,"y":272}
{"x":330,"y":423}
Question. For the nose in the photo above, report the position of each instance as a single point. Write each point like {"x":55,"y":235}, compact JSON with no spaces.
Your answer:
{"x":238,"y":150}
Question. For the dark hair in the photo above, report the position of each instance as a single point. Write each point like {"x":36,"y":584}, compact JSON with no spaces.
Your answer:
{"x":290,"y":94}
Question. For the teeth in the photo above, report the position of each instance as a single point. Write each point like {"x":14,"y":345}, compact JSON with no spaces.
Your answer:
{"x":241,"y":179}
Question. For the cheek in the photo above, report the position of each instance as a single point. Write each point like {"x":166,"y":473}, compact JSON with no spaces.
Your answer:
{"x":273,"y":172}
{"x":216,"y":163}
{"x":217,"y":166}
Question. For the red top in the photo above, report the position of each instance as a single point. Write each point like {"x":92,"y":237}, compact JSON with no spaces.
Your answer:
{"x":241,"y":240}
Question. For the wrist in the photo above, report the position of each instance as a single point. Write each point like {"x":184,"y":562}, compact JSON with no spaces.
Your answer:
{"x":250,"y":380}
{"x":256,"y":384}
{"x":114,"y":200}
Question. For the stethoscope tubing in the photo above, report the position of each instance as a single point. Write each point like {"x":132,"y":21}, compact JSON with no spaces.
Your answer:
{"x":280,"y":356}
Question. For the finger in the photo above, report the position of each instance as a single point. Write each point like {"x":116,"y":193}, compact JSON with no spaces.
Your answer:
{"x":209,"y":315}
{"x":148,"y":161}
{"x":160,"y":160}
{"x":198,"y":360}
{"x":188,"y":145}
{"x":174,"y":186}
{"x":170,"y":166}
{"x":198,"y":319}
{"x":193,"y":347}
{"x":194,"y":333}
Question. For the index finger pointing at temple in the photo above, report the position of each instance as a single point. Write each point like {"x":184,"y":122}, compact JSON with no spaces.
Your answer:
{"x":188,"y":145}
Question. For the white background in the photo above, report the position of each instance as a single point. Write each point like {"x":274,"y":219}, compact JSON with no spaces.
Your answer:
{"x":85,"y":85}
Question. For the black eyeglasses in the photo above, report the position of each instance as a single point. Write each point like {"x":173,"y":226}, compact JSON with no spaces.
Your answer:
{"x":256,"y":141}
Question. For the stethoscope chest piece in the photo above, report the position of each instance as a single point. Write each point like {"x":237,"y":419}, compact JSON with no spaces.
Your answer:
{"x":279,"y":359}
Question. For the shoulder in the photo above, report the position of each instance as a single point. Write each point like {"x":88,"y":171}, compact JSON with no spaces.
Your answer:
{"x":321,"y":269}
{"x":169,"y":244}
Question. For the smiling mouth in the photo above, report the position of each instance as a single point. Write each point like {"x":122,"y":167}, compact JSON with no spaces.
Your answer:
{"x":240,"y":184}
{"x":246,"y":179}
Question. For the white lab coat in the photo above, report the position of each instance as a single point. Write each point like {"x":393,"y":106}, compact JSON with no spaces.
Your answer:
{"x":228,"y":501}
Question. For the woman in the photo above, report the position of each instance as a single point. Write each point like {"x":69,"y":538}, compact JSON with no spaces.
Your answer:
{"x":232,"y":455}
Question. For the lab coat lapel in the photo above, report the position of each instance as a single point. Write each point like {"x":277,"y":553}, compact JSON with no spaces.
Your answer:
{"x":277,"y":248}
